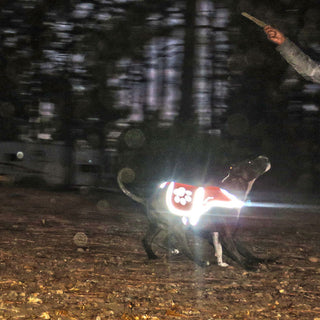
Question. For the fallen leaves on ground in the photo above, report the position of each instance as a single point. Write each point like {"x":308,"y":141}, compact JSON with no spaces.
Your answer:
{"x":44,"y":276}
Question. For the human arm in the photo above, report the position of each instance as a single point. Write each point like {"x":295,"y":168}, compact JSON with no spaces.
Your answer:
{"x":301,"y":62}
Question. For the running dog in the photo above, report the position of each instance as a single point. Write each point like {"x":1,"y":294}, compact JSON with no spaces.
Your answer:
{"x":210,"y":211}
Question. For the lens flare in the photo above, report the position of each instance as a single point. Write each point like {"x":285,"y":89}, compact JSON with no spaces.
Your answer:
{"x":277,"y":205}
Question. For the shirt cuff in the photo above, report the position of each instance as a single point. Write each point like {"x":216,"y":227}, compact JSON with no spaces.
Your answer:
{"x":285,"y":46}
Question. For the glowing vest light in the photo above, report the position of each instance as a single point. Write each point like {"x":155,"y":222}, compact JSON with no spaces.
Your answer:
{"x":191,"y":202}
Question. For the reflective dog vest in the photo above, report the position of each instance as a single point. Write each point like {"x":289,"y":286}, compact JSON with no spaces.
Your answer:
{"x":190,"y":202}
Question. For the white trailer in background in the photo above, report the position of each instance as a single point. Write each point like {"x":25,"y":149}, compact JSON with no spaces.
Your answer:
{"x":53,"y":163}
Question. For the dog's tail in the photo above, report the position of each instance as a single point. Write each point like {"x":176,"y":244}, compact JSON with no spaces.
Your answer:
{"x":127,"y":175}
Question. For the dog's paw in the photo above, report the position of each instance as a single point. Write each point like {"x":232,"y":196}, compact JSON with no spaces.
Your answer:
{"x":251,"y":266}
{"x":223,"y":264}
{"x":204,"y":263}
{"x":152,"y":256}
{"x":174,"y":252}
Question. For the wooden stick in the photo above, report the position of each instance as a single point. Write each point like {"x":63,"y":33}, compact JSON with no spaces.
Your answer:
{"x":253,"y":19}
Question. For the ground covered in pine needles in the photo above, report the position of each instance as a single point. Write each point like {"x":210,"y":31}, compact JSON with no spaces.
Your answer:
{"x":67,"y":255}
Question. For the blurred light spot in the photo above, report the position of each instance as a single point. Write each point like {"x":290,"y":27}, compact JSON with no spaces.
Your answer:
{"x":311,"y":88}
{"x":127,"y":175}
{"x":9,"y":31}
{"x":20,"y":155}
{"x":103,"y":16}
{"x":82,"y":10}
{"x":310,"y":108}
{"x":78,"y":58}
{"x":103,"y":205}
{"x":80,"y":239}
{"x":44,"y":136}
{"x":134,"y":138}
{"x":46,"y":109}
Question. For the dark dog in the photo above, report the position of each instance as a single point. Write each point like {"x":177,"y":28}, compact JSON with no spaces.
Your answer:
{"x":211,"y":211}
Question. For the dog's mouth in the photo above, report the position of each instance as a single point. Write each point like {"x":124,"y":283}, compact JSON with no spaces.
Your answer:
{"x":268,"y":167}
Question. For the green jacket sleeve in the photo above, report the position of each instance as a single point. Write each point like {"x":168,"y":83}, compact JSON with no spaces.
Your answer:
{"x":302,"y":63}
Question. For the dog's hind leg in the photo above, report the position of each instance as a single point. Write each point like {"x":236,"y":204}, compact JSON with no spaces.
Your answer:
{"x":251,"y":256}
{"x":152,"y":232}
{"x":218,"y":249}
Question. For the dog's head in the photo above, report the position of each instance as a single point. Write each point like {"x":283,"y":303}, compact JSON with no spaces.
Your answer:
{"x":249,"y":170}
{"x":242,"y":175}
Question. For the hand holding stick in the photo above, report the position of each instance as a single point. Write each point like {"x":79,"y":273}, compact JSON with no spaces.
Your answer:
{"x":274,"y":35}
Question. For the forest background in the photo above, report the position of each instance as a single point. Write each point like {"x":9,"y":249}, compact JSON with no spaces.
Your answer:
{"x":175,"y":88}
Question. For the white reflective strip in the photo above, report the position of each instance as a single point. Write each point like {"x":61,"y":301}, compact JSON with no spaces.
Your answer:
{"x":236,"y":203}
{"x":162,"y":185}
{"x":198,"y":209}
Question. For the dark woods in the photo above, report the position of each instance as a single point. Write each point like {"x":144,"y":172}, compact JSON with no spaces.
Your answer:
{"x":202,"y":84}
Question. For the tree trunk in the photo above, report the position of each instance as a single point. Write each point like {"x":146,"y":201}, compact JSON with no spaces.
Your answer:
{"x":186,"y":111}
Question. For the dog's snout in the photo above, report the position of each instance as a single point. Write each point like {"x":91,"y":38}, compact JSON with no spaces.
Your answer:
{"x":263,"y":158}
{"x":265,"y":162}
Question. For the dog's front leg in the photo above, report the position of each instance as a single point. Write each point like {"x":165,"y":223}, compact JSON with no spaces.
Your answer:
{"x":218,"y":249}
{"x":181,"y":236}
{"x":227,"y":241}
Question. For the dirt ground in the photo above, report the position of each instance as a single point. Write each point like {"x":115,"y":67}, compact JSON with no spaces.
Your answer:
{"x":46,"y":275}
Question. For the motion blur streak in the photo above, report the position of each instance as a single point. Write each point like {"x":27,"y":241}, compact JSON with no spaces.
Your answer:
{"x":281,"y":205}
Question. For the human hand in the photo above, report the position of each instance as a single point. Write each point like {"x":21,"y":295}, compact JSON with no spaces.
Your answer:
{"x":274,"y":35}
